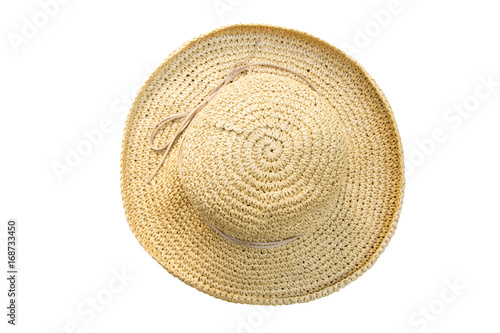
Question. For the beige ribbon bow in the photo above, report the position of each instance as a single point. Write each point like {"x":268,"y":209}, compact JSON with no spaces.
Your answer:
{"x":236,"y":69}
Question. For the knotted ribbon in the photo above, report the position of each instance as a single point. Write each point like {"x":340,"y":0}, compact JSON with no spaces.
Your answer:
{"x":236,"y":69}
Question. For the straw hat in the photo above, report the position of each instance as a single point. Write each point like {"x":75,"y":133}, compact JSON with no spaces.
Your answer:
{"x":262,"y":165}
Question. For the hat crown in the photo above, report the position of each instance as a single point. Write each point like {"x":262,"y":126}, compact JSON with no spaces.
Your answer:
{"x":264,"y":160}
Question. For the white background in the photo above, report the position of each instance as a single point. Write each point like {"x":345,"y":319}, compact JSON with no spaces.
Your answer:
{"x":84,"y":64}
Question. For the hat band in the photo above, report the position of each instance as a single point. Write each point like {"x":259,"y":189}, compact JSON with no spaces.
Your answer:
{"x":236,"y":69}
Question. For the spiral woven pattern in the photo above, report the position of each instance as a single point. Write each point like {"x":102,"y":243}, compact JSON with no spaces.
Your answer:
{"x":268,"y":158}
{"x":265,"y":159}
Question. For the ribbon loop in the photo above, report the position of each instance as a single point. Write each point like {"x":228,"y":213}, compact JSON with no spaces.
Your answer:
{"x":157,"y":128}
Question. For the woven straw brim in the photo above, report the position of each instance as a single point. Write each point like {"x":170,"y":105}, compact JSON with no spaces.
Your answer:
{"x":315,"y":265}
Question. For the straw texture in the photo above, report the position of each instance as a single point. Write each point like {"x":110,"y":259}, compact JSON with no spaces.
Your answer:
{"x":267,"y":159}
